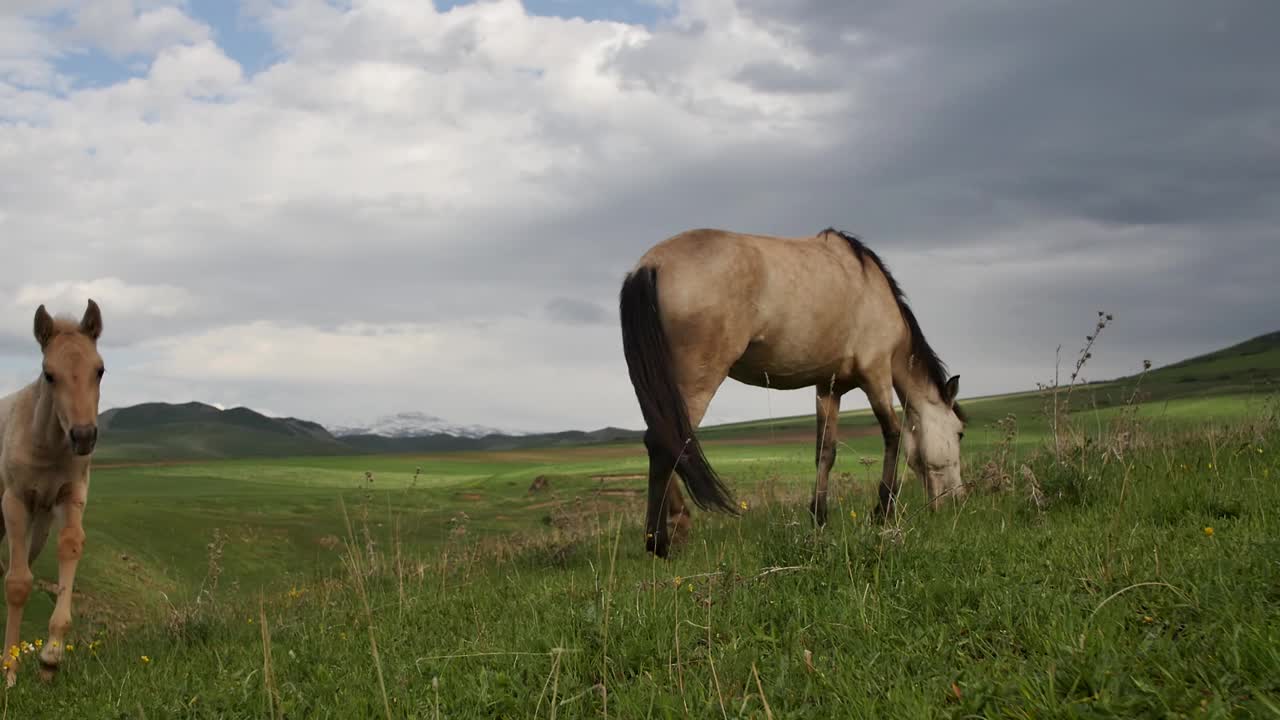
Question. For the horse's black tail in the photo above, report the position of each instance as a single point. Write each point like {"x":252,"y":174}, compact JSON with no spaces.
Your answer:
{"x":644,"y":342}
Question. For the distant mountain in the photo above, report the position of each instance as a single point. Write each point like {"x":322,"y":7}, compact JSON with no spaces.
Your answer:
{"x":187,"y":431}
{"x":440,"y":442}
{"x":153,"y":432}
{"x":416,"y":424}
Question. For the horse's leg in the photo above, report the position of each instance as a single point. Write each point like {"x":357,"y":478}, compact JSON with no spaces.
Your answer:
{"x":70,"y":548}
{"x":825,"y":457}
{"x":662,"y":467}
{"x":17,"y":582}
{"x":667,"y":510}
{"x":880,"y":395}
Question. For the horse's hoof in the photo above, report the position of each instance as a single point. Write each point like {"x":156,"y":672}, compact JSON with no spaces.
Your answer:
{"x":819,"y":514}
{"x":658,"y":546}
{"x":48,"y":670}
{"x":880,"y":515}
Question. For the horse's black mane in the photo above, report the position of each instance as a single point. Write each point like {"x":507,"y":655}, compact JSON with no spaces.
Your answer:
{"x":920,"y":347}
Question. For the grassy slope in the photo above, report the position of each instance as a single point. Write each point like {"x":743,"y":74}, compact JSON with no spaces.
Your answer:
{"x":1114,"y":601}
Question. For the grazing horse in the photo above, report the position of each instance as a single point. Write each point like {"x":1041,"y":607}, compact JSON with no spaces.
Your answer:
{"x":782,"y":313}
{"x":47,"y":434}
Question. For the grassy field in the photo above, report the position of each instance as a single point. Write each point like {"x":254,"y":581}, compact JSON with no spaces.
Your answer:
{"x":1138,"y":577}
{"x":1137,"y":574}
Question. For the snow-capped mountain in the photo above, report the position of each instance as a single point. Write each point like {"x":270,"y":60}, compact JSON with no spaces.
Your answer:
{"x":416,"y":424}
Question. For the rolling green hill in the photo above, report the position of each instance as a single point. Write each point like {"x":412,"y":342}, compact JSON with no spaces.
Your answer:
{"x":194,"y":431}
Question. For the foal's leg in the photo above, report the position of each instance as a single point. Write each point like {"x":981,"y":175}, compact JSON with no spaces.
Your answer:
{"x":880,"y":396}
{"x":828,"y":420}
{"x":70,"y":548}
{"x":17,"y":582}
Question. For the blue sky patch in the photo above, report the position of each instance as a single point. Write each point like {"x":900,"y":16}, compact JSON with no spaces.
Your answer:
{"x":242,"y":37}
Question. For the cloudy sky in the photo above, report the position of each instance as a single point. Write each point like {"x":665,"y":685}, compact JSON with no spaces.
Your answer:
{"x":343,"y":209}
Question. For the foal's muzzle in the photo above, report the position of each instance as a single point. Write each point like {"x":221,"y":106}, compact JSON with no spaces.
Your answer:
{"x":84,"y":438}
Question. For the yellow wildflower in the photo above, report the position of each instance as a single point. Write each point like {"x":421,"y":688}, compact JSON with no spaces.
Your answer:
{"x":70,"y":647}
{"x":1208,"y":531}
{"x":145,"y":659}
{"x":690,"y":587}
{"x":679,"y":581}
{"x":39,"y":643}
{"x":743,"y":505}
{"x":853,"y":514}
{"x":1147,"y":619}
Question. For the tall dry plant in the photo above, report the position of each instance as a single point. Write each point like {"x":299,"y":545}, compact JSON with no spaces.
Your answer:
{"x":1058,"y":398}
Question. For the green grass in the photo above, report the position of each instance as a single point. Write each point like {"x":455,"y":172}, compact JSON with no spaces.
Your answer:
{"x":1111,"y":601}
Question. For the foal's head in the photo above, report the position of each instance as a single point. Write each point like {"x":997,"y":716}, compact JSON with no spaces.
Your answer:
{"x":72,"y":373}
{"x":933,"y":442}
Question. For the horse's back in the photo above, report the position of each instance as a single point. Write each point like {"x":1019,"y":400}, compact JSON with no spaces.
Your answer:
{"x":794,"y":308}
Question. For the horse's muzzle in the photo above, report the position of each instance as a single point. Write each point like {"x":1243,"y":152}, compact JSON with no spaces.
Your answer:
{"x":84,"y":438}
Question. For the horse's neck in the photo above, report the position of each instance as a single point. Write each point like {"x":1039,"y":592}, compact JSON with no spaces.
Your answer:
{"x":914,"y":387}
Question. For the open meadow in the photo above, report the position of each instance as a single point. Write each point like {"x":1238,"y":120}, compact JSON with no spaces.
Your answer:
{"x":1126,"y":566}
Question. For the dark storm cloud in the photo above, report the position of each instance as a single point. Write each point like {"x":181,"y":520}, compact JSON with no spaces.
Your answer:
{"x":1126,"y":113}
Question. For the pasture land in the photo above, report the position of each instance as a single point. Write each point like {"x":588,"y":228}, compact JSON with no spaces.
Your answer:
{"x":1138,"y":577}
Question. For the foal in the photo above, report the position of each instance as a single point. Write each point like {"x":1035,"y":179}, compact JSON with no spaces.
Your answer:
{"x":47,"y":434}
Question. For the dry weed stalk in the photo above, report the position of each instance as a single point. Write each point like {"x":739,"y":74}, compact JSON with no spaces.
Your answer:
{"x":1059,"y":403}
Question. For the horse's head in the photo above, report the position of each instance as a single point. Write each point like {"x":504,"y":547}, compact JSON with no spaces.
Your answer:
{"x":934,"y":430}
{"x":72,"y":373}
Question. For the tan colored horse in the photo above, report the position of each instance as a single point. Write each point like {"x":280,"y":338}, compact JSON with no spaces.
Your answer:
{"x":782,"y":313}
{"x":47,"y":434}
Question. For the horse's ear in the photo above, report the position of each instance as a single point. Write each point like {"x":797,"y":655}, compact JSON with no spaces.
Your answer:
{"x":950,"y":392}
{"x":91,"y":323}
{"x":43,"y":327}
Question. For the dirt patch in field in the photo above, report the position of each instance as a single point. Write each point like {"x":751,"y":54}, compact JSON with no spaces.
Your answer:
{"x":791,"y":436}
{"x":625,"y":492}
{"x":618,"y":477}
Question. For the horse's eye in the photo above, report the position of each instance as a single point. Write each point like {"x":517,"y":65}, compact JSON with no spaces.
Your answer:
{"x":48,"y":377}
{"x":101,"y":372}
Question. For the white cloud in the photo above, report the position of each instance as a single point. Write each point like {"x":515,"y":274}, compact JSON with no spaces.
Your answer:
{"x":163,"y":301}
{"x":393,"y":205}
{"x":131,"y":27}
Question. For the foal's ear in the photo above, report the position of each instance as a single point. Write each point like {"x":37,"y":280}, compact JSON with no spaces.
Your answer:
{"x":43,"y":326}
{"x":950,"y":392}
{"x":91,"y":323}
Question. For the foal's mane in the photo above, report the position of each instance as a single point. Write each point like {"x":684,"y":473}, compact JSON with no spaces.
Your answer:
{"x":920,"y":347}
